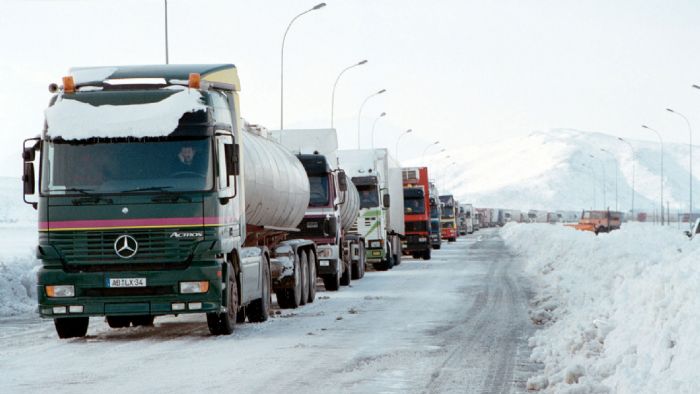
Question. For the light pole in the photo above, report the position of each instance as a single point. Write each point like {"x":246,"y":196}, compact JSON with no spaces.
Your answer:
{"x":336,"y":84}
{"x":167,"y":59}
{"x":690,"y":150}
{"x":383,"y":114}
{"x":426,"y":149}
{"x":617,"y":169}
{"x":661,"y":189}
{"x":595,"y":180}
{"x":284,"y":38}
{"x":444,"y":172}
{"x":633,"y":167}
{"x":397,"y":143}
{"x":359,"y":115}
{"x":605,"y":197}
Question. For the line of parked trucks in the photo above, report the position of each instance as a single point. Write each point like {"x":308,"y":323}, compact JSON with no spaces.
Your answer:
{"x":156,"y":198}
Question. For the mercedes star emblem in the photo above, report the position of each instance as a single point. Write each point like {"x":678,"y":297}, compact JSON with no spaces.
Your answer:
{"x":126,"y":246}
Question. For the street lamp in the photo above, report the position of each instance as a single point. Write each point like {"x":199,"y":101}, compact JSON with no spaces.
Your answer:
{"x":444,"y":172}
{"x":167,"y":59}
{"x":617,"y":169}
{"x":633,"y":167}
{"x":336,"y":84}
{"x":690,"y":150}
{"x":383,"y":114}
{"x":595,"y":180}
{"x":661,"y":190}
{"x":426,"y":149}
{"x":397,"y":143}
{"x":314,"y":8}
{"x":359,"y":115}
{"x":605,"y":197}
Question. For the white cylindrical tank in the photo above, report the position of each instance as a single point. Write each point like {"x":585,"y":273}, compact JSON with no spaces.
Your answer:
{"x":276,"y":185}
{"x":350,"y":207}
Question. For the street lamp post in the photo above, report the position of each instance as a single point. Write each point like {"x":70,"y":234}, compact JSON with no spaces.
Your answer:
{"x":284,"y":38}
{"x":595,"y":180}
{"x":397,"y":143}
{"x":426,"y":149}
{"x":167,"y":58}
{"x":605,"y":197}
{"x":336,"y":84}
{"x":359,"y":115}
{"x":633,"y":168}
{"x":617,"y":170}
{"x":690,"y":155}
{"x":661,"y":189}
{"x":383,"y":114}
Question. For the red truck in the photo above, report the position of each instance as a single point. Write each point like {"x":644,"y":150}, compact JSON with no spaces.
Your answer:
{"x":416,"y":203}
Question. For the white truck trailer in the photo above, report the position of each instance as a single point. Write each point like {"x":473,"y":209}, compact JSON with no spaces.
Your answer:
{"x":377,"y":177}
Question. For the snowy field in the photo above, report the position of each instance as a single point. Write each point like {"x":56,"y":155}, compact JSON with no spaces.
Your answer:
{"x":620,"y":312}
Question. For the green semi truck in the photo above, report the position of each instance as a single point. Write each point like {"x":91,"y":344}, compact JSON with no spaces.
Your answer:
{"x":154,"y":199}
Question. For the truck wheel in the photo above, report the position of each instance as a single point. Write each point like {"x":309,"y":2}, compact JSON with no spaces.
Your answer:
{"x":312,"y":277}
{"x":241,"y":315}
{"x":224,"y":323}
{"x":345,"y":279}
{"x":426,"y":254}
{"x":304,"y":263}
{"x":71,"y":327}
{"x":142,"y":320}
{"x":332,"y":281}
{"x":259,"y":310}
{"x":415,"y":255}
{"x":118,"y":321}
{"x":291,"y":298}
{"x":358,"y":269}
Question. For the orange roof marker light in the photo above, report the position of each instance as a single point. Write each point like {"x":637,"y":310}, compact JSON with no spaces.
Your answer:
{"x":68,"y":84}
{"x":195,"y":81}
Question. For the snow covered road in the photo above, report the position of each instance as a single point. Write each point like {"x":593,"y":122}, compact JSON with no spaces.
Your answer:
{"x":457,"y":323}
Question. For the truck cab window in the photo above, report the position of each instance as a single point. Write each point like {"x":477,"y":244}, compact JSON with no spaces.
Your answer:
{"x":319,"y":191}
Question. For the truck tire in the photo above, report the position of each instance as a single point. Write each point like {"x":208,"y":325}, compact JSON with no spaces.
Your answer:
{"x":259,"y":310}
{"x":451,"y":239}
{"x":345,"y":279}
{"x":71,"y":327}
{"x":332,"y":281}
{"x":415,"y":255}
{"x":223,"y":323}
{"x":241,"y":315}
{"x":142,"y":320}
{"x":291,"y":298}
{"x":426,"y":254}
{"x":312,"y":277}
{"x":304,"y":264}
{"x":358,"y":269}
{"x":118,"y":321}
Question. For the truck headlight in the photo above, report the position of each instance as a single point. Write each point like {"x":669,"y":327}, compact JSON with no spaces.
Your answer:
{"x":375,"y":244}
{"x":194,"y":287}
{"x":325,"y":252}
{"x":60,"y":291}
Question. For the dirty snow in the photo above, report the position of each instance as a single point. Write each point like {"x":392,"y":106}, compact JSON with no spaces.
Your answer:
{"x":71,"y":119}
{"x":620,"y":312}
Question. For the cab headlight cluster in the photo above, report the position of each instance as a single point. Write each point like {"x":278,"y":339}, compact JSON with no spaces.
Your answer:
{"x":325,"y":253}
{"x":194,"y":287}
{"x":375,"y":244}
{"x":60,"y":291}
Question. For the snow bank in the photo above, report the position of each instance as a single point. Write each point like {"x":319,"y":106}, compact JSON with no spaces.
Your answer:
{"x":18,"y":284}
{"x":620,"y":311}
{"x":71,"y":119}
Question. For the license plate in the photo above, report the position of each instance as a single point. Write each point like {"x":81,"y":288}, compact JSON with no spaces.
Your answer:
{"x":127,"y":282}
{"x":324,"y":263}
{"x":311,"y":225}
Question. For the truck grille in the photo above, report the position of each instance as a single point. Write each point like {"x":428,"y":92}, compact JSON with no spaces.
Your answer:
{"x":311,"y":227}
{"x":416,"y":226}
{"x":97,"y":247}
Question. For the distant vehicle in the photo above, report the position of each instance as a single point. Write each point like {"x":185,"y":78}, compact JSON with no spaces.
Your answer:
{"x":416,"y":203}
{"x":484,"y":217}
{"x":599,"y":221}
{"x":435,"y":214}
{"x":466,"y":219}
{"x":536,"y":216}
{"x":448,"y":219}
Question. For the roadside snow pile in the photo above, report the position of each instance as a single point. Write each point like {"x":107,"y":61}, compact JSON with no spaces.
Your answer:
{"x":18,"y":284}
{"x":620,"y":311}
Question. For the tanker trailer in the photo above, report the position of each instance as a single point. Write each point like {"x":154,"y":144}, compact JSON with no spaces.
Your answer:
{"x":276,"y":190}
{"x":353,"y":242}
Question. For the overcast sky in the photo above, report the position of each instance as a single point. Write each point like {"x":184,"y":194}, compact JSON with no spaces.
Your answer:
{"x":462,"y":72}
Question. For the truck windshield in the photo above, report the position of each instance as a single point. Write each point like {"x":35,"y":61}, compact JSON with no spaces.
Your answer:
{"x":448,"y":212}
{"x":434,"y":212}
{"x":369,"y":198}
{"x":319,"y":191}
{"x":121,"y":165}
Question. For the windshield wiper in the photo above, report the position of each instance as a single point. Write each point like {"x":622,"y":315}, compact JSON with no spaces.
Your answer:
{"x":91,"y":197}
{"x":149,"y":189}
{"x":165,"y":196}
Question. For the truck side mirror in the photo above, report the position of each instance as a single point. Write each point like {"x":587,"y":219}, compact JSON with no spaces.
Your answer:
{"x":231,"y":152}
{"x":28,"y":179}
{"x":330,"y":226}
{"x":342,"y":181}
{"x":28,"y":154}
{"x":386,"y":200}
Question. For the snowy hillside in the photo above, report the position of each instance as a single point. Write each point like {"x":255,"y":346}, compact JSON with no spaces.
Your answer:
{"x":554,"y":170}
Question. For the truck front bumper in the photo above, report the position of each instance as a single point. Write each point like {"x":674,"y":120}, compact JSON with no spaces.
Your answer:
{"x":415,"y":243}
{"x":160,"y":295}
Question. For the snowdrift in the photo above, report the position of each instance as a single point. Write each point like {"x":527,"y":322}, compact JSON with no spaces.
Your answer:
{"x":620,"y":311}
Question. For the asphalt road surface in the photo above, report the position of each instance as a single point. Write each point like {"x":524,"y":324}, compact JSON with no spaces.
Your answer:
{"x":455,"y":324}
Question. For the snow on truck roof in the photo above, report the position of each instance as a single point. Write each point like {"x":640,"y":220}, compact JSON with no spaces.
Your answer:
{"x":224,"y":73}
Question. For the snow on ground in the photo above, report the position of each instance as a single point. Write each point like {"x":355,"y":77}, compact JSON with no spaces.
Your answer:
{"x":620,"y":311}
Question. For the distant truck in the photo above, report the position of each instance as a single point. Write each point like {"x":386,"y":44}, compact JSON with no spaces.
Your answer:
{"x":435,"y":214}
{"x":416,"y":204}
{"x":154,"y":199}
{"x":377,"y":177}
{"x":466,"y":219}
{"x":448,"y":218}
{"x":599,"y":221}
{"x":484,"y":217}
{"x":326,"y":222}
